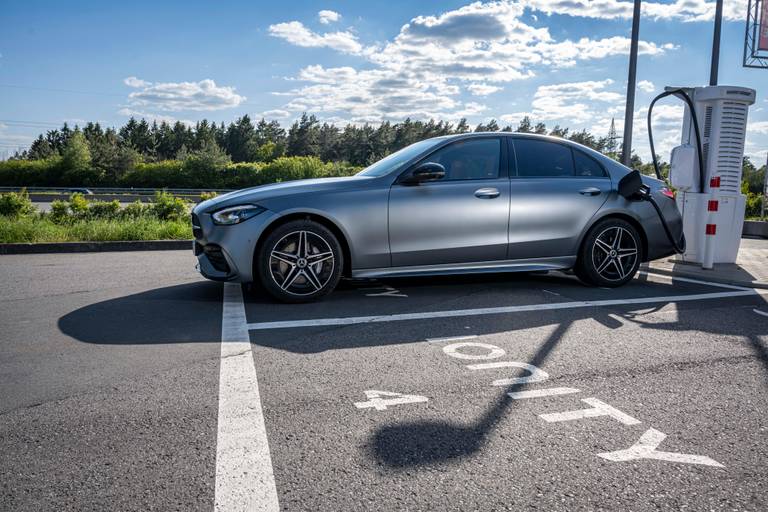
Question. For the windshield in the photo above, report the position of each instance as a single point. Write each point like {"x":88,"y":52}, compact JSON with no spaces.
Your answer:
{"x":397,"y":159}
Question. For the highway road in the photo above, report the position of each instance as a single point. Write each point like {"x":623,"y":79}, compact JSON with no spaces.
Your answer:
{"x":130,"y":383}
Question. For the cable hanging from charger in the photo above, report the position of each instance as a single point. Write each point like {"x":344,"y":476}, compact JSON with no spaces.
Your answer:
{"x":644,"y":192}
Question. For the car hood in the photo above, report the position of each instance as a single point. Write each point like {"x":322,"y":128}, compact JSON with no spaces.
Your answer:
{"x":260,"y":193}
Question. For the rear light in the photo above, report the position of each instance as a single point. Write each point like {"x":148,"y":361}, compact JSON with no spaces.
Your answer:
{"x":667,"y":192}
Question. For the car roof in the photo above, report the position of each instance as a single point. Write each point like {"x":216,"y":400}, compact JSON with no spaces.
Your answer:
{"x":522,"y":135}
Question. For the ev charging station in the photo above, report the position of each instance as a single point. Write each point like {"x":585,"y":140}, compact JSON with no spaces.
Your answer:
{"x":709,"y":193}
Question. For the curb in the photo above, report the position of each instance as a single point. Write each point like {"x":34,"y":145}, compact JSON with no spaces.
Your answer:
{"x":699,"y":276}
{"x":68,"y":247}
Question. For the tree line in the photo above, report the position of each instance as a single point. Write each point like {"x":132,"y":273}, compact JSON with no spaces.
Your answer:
{"x":246,"y":141}
{"x":93,"y":155}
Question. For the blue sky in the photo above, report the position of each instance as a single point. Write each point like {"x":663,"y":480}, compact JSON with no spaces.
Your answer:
{"x":560,"y":61}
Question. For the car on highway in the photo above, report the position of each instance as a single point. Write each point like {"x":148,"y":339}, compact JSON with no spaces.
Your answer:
{"x":479,"y":202}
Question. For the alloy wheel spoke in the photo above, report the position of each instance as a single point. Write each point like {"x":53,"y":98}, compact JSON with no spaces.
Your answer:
{"x":290,"y":277}
{"x":603,"y":245}
{"x":607,"y":261}
{"x":617,"y":240}
{"x":619,"y":268}
{"x":312,"y":278}
{"x":285,"y":257}
{"x":317,"y":258}
{"x":301,"y":249}
{"x":623,"y":253}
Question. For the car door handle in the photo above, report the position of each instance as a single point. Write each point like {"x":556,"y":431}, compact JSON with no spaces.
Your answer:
{"x":487,"y":193}
{"x":589,"y":191}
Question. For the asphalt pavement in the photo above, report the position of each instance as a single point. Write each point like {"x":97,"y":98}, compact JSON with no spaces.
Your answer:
{"x":129,"y":383}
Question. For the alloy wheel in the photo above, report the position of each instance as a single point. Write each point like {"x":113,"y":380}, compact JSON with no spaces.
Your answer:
{"x":614,"y":253}
{"x":301,"y":263}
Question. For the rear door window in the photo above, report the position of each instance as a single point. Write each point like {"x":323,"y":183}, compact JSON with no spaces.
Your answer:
{"x":586,"y":166}
{"x":543,"y":159}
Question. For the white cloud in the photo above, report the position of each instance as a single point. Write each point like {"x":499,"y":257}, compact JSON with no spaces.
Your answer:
{"x":275,"y":114}
{"x":296,"y":33}
{"x":646,"y":86}
{"x":132,"y":81}
{"x":570,"y":103}
{"x":175,"y":96}
{"x":151,"y":117}
{"x":481,"y":89}
{"x":685,"y":10}
{"x":420,"y":72}
{"x":325,"y":16}
{"x":760,"y":127}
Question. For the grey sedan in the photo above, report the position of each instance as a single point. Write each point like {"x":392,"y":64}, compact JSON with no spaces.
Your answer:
{"x":481,"y":202}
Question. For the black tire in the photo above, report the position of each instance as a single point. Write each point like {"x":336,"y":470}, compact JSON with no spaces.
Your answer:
{"x":285,"y":267}
{"x":610,"y":255}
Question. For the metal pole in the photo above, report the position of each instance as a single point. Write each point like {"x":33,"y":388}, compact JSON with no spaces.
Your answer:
{"x":716,"y":43}
{"x":765,"y":191}
{"x":629,"y":112}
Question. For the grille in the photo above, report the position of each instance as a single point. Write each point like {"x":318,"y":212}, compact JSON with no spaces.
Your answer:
{"x":197,"y":232}
{"x":731,"y":145}
{"x":216,"y":257}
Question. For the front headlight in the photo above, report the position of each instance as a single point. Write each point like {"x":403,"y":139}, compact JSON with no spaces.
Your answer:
{"x":236,"y":214}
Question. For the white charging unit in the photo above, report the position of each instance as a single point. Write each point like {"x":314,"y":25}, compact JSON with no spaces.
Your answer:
{"x":713,"y":216}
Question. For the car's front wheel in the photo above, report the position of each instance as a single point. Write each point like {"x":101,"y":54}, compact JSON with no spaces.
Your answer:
{"x":300,"y":261}
{"x":610,"y":254}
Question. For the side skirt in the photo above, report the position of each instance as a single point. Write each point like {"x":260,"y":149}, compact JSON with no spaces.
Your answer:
{"x":527,"y":265}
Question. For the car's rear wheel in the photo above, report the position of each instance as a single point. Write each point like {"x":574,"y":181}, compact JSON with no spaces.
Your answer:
{"x":300,"y":261}
{"x":610,"y":254}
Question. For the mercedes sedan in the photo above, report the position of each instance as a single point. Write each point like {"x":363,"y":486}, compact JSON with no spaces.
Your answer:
{"x":480,"y":202}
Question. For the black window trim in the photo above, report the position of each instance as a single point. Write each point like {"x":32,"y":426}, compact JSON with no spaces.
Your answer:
{"x":514,"y":168}
{"x":503,"y":160}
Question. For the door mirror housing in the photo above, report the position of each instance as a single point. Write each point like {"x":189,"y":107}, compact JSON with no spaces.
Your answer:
{"x":429,"y":171}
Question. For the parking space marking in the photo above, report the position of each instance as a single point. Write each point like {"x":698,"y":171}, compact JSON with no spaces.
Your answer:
{"x":693,"y":281}
{"x":541,"y":393}
{"x":454,"y":350}
{"x":244,"y":476}
{"x":427,"y":315}
{"x":599,"y":408}
{"x":379,"y":400}
{"x":763,"y":313}
{"x":645,"y":448}
{"x":452,"y":338}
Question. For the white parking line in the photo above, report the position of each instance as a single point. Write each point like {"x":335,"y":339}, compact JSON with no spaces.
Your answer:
{"x":319,"y":322}
{"x":452,"y":338}
{"x":693,"y":281}
{"x":244,"y":478}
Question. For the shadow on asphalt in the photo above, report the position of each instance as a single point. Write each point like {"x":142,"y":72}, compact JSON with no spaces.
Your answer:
{"x":192,"y":313}
{"x":176,"y":314}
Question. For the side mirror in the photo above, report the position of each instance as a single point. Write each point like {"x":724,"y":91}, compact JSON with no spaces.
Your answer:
{"x":429,"y":171}
{"x":630,"y":185}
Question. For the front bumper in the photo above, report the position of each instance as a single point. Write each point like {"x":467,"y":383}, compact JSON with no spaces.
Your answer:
{"x":225,"y":253}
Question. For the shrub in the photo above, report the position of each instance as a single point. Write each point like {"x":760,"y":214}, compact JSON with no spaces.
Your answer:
{"x":42,"y":229}
{"x":104,"y":209}
{"x":16,"y":204}
{"x":78,"y":205}
{"x":59,"y":210}
{"x":169,"y":207}
{"x":204,"y":196}
{"x":754,"y":204}
{"x":135,"y":210}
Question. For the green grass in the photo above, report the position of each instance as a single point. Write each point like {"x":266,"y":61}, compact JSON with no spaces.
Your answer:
{"x":39,"y":229}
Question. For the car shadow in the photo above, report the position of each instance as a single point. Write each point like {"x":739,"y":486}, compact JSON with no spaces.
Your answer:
{"x":184,"y":313}
{"x":192,"y":313}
